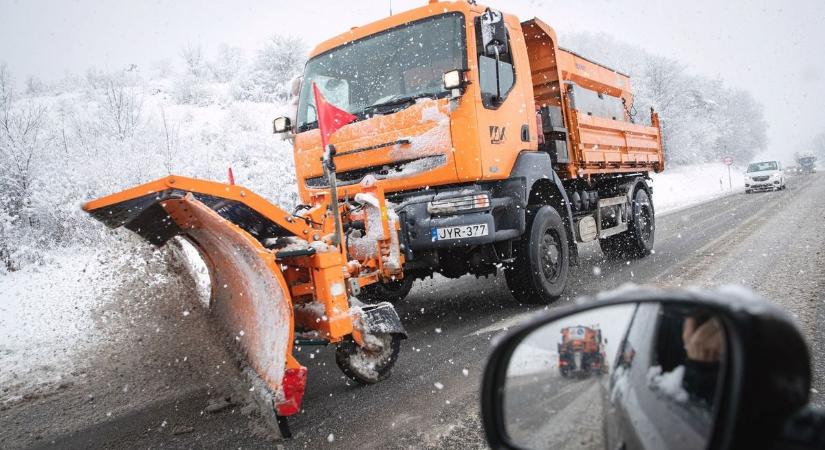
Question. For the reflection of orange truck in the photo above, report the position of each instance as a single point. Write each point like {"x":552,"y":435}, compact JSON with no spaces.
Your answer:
{"x":581,"y":351}
{"x":497,"y":147}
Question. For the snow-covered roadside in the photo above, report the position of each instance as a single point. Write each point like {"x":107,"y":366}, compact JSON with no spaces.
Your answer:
{"x":46,"y":318}
{"x":52,"y":315}
{"x":683,"y":186}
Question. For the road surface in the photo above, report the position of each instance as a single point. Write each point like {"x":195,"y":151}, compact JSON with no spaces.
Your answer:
{"x":770,"y":242}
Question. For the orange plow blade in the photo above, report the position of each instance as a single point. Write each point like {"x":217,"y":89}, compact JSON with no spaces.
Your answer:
{"x":250,"y":297}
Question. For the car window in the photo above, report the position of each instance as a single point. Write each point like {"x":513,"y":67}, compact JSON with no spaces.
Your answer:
{"x":760,"y":166}
{"x":647,"y":387}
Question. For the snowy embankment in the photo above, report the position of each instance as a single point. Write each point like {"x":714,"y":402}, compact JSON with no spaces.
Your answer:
{"x":50,"y":314}
{"x":683,"y":186}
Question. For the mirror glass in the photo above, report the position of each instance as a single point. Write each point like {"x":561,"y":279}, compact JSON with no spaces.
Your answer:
{"x":623,"y":376}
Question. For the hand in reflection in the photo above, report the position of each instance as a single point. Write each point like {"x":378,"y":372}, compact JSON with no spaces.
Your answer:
{"x":703,"y":342}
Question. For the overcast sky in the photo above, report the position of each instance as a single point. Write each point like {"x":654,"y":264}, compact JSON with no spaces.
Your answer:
{"x":774,"y":49}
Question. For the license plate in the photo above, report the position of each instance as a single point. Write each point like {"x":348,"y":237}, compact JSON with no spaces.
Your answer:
{"x":459,"y":232}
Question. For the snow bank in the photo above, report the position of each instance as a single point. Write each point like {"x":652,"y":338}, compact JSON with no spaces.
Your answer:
{"x":528,"y":359}
{"x":682,"y":186}
{"x":52,"y":315}
{"x":46,"y":318}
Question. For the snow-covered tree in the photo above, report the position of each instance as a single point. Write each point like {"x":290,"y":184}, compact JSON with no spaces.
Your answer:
{"x":227,"y":63}
{"x":189,"y":88}
{"x":702,"y":119}
{"x":279,"y":60}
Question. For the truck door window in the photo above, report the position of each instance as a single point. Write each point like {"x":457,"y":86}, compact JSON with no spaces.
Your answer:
{"x":487,"y":74}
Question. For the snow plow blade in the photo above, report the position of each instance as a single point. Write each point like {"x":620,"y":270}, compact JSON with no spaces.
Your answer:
{"x":228,"y":225}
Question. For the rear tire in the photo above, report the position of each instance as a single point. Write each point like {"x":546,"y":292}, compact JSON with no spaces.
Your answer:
{"x":637,"y":241}
{"x":392,"y":292}
{"x":748,"y":191}
{"x":541,"y":264}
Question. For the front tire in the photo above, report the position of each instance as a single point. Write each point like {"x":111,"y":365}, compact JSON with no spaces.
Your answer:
{"x":637,"y":241}
{"x":541,"y":264}
{"x":368,"y":366}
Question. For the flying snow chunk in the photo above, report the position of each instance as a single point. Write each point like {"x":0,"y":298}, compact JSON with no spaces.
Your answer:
{"x":597,"y":270}
{"x":438,"y":385}
{"x":331,"y":438}
{"x":465,"y":372}
{"x":185,"y":313}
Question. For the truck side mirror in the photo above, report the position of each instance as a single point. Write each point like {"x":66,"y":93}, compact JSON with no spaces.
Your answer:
{"x":281,"y":125}
{"x":493,"y":34}
{"x":658,"y":365}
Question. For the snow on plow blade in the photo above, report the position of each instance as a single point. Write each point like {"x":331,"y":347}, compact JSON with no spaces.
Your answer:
{"x":228,"y":225}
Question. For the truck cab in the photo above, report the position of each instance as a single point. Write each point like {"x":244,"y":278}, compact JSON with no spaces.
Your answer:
{"x":471,"y":122}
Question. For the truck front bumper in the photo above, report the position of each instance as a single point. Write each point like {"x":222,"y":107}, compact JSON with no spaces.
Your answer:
{"x":503,"y":217}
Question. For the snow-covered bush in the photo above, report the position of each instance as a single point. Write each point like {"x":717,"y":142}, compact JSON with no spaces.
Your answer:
{"x":279,"y":60}
{"x":227,"y":63}
{"x":189,"y":87}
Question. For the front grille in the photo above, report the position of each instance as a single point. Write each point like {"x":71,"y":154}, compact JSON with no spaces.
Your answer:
{"x":763,"y":178}
{"x":392,"y":170}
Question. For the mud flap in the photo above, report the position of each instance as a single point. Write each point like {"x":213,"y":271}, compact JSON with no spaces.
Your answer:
{"x":382,"y":318}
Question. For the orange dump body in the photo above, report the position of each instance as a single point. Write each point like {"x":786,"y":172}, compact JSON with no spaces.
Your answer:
{"x":602,"y":140}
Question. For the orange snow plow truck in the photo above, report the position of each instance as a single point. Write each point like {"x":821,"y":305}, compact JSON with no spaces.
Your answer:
{"x":581,"y":351}
{"x":478,"y":144}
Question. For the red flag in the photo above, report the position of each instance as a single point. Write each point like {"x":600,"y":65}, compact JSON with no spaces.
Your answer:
{"x":330,"y":117}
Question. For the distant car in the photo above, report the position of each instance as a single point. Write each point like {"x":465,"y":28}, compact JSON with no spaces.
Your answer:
{"x":807,"y":164}
{"x":764,"y":176}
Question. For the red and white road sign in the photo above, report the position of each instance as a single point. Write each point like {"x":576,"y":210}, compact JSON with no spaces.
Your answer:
{"x":728,"y":160}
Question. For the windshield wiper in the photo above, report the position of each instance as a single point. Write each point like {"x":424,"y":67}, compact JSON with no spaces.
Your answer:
{"x":395,"y":103}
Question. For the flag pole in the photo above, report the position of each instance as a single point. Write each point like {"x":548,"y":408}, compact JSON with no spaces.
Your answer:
{"x":329,"y":168}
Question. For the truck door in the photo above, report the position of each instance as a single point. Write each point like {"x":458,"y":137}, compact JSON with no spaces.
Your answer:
{"x":505,"y":111}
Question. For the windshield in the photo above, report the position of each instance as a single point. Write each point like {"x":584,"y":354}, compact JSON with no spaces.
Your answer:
{"x":760,"y":166}
{"x":387,"y":69}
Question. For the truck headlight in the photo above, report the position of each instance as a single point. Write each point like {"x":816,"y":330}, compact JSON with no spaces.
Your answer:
{"x":454,"y":79}
{"x":457,"y":204}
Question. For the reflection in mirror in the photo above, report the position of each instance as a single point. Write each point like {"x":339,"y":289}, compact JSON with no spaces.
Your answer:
{"x":622,"y":376}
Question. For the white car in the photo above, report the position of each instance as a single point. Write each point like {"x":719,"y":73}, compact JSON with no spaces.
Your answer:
{"x":764,"y":176}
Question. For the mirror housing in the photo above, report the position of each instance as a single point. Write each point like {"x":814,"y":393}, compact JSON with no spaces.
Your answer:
{"x":758,"y":395}
{"x":281,"y":125}
{"x":493,"y":33}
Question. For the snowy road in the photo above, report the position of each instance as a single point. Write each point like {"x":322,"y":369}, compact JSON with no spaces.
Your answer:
{"x":770,"y":242}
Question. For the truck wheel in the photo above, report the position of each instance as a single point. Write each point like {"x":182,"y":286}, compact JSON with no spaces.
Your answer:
{"x":368,"y":366}
{"x":392,"y":292}
{"x":637,"y":241}
{"x":538,"y":274}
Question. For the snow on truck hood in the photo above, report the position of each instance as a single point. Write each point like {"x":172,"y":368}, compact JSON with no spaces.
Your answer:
{"x":414,"y":140}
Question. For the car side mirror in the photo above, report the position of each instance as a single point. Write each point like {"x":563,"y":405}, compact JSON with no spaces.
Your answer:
{"x":281,"y":125}
{"x":686,"y":369}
